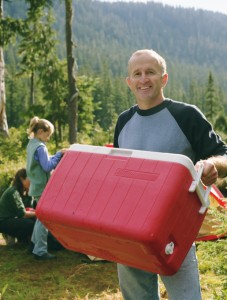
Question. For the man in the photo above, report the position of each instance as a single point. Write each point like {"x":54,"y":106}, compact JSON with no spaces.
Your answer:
{"x":164,"y":125}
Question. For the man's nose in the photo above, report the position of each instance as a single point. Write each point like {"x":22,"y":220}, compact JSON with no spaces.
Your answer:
{"x":144,"y":77}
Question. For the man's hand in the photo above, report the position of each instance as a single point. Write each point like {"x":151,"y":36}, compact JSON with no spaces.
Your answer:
{"x":210,"y":173}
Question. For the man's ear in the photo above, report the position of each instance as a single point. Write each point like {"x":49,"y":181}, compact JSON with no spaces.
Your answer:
{"x":128,"y":81}
{"x":164,"y":79}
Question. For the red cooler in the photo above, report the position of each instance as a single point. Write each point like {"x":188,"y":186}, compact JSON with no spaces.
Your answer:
{"x":139,"y":208}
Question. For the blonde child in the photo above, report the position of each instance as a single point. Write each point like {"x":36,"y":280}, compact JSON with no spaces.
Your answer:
{"x":39,"y":167}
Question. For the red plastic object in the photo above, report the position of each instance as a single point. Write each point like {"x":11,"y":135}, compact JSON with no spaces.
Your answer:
{"x":212,"y":228}
{"x":29,"y":209}
{"x":133,"y":207}
{"x":109,"y":145}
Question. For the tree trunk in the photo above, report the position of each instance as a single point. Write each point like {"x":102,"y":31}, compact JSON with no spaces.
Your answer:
{"x":73,"y":92}
{"x":32,"y":89}
{"x":3,"y":118}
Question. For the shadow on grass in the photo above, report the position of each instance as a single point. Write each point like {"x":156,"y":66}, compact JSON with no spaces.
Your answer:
{"x":71,"y":276}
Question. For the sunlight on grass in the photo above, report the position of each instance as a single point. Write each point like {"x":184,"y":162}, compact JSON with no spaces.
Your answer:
{"x":69,"y":278}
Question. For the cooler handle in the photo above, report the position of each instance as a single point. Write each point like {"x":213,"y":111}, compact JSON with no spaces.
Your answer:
{"x":120,"y":152}
{"x":202,"y":194}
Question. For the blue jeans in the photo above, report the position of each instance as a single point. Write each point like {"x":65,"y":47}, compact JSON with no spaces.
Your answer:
{"x":137,"y":284}
{"x":39,"y":237}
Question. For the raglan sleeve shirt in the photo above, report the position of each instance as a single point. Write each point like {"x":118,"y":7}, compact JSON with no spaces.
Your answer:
{"x":171,"y":127}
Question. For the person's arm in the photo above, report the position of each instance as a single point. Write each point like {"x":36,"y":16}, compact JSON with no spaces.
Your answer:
{"x":20,"y":210}
{"x":220,"y":163}
{"x":48,"y":163}
{"x":214,"y":167}
{"x":29,"y":214}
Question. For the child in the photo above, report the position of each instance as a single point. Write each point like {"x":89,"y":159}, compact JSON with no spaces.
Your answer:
{"x":39,"y":167}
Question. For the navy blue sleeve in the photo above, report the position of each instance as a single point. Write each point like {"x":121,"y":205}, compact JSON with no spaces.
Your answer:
{"x":205,"y":142}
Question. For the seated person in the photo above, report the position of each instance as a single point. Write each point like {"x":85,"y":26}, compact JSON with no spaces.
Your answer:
{"x":15,"y":219}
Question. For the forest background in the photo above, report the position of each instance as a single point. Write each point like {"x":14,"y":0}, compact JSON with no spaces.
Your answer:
{"x":194,"y":43}
{"x":103,"y":36}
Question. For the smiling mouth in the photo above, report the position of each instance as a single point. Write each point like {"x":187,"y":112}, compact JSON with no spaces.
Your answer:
{"x":144,"y":88}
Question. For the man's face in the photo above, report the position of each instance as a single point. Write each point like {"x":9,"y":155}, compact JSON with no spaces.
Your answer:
{"x":146,"y":80}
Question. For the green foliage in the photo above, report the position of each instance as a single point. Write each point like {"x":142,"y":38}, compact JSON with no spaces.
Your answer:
{"x":54,"y":88}
{"x":3,"y":291}
{"x":111,"y":31}
{"x":10,"y":28}
{"x":99,"y":137}
{"x":106,"y":35}
{"x":6,"y":177}
{"x":36,"y":5}
{"x":86,"y":105}
{"x":38,"y":59}
{"x":37,"y":43}
{"x":221,"y":123}
{"x":213,"y":254}
{"x":12,"y":148}
{"x":12,"y":155}
{"x":213,"y":106}
{"x":17,"y":99}
{"x":218,"y":251}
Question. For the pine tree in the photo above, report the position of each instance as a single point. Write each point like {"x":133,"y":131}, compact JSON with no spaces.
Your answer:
{"x":212,"y":103}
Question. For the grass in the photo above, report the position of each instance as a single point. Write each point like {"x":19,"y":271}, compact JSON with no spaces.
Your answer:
{"x":67,"y":277}
{"x":71,"y":277}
